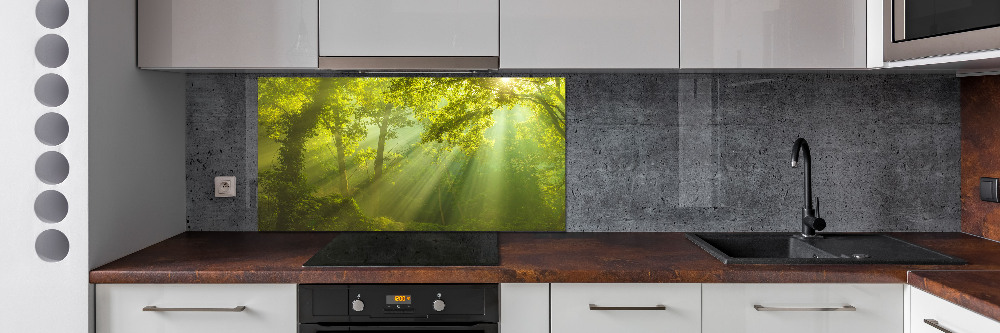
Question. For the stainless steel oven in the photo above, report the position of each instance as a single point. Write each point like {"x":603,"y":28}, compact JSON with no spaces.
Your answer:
{"x":467,"y":308}
{"x":927,"y":28}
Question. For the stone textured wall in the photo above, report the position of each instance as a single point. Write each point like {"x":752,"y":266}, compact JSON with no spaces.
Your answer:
{"x":221,"y":141}
{"x":683,"y":152}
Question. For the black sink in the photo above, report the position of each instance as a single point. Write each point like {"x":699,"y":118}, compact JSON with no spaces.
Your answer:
{"x":787,"y":248}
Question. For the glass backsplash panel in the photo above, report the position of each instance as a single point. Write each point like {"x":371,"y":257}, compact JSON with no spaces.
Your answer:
{"x":411,"y":154}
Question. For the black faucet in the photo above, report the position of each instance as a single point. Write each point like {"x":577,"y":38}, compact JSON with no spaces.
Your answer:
{"x":810,"y":222}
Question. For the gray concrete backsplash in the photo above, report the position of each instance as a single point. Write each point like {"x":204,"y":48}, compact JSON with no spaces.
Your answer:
{"x":681,"y":152}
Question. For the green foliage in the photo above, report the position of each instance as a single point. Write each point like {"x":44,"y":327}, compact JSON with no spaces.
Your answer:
{"x":279,"y":100}
{"x":411,"y":153}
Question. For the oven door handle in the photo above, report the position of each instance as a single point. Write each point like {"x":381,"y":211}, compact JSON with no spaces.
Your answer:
{"x":414,"y":327}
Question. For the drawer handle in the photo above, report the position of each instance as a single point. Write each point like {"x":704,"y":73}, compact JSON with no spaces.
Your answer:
{"x":759,"y":307}
{"x":628,"y":308}
{"x":234,"y":309}
{"x":935,"y":324}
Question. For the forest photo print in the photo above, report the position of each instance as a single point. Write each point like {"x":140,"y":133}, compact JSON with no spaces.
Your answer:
{"x":411,"y":154}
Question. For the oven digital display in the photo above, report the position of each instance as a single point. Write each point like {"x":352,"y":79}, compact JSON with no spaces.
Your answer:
{"x":397,"y":299}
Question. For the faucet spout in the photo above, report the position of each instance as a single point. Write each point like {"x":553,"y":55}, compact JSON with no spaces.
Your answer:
{"x":810,"y":222}
{"x":803,"y":146}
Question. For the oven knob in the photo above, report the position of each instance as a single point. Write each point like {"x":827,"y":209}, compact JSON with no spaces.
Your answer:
{"x":358,"y":305}
{"x":438,"y":305}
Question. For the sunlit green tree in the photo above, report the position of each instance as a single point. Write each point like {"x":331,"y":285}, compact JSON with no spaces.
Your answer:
{"x":380,"y":101}
{"x":290,"y":111}
{"x":341,"y":118}
{"x":292,"y":119}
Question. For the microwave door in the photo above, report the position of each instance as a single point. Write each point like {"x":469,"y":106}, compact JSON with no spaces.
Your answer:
{"x":916,"y":19}
{"x":914,"y":29}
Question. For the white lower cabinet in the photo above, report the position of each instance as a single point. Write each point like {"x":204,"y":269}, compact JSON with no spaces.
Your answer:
{"x":196,"y":308}
{"x":524,"y":308}
{"x":570,"y":308}
{"x":802,"y":308}
{"x":626,"y":307}
{"x":930,"y":314}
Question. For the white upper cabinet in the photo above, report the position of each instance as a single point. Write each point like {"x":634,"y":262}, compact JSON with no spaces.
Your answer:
{"x":511,"y":34}
{"x":778,"y":33}
{"x":409,"y":28}
{"x":578,"y":34}
{"x":227,"y":34}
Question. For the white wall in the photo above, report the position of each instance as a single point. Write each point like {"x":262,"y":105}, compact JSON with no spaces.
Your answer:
{"x":137,"y":186}
{"x":36,"y":295}
{"x":125,"y":126}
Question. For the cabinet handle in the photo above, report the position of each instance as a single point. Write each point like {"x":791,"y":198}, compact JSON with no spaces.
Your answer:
{"x":630,"y":308}
{"x":759,"y":307}
{"x":233,"y":309}
{"x":935,"y":324}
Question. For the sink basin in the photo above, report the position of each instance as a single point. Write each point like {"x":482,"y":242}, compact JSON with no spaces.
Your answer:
{"x":786,"y":248}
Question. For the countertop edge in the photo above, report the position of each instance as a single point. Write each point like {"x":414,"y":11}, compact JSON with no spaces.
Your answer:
{"x":931,"y":282}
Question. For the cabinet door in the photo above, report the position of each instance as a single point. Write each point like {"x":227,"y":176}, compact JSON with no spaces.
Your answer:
{"x":951,"y":317}
{"x":409,"y":28}
{"x":227,"y":34}
{"x":802,"y":308}
{"x":589,"y":34}
{"x":626,"y":307}
{"x":773,"y":34}
{"x":524,"y":308}
{"x":269,"y":308}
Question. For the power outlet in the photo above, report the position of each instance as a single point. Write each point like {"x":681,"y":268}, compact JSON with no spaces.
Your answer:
{"x":225,"y":186}
{"x":988,"y":189}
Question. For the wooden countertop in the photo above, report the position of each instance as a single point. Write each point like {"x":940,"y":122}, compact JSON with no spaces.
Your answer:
{"x":978,"y":291}
{"x":259,"y":257}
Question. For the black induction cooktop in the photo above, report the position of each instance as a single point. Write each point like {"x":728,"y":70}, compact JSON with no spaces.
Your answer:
{"x":409,"y":249}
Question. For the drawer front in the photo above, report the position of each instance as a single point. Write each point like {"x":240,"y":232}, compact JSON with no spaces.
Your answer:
{"x":730,"y":308}
{"x":949,"y":316}
{"x":269,"y":308}
{"x":572,"y":311}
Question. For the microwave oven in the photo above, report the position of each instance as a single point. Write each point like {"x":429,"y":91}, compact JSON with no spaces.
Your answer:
{"x":915,"y":29}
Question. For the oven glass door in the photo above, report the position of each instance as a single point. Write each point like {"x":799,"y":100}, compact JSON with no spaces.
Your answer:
{"x":930,"y":18}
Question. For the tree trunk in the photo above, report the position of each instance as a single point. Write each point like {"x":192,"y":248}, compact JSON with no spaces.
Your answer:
{"x":383,"y":132}
{"x":292,"y":161}
{"x":441,"y":206}
{"x":555,"y":117}
{"x":345,"y":188}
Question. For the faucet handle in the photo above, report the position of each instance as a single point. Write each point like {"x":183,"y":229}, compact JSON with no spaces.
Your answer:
{"x":818,"y":223}
{"x":817,"y":206}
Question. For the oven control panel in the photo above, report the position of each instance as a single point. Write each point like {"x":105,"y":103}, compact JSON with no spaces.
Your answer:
{"x":410,"y":299}
{"x":398,"y":303}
